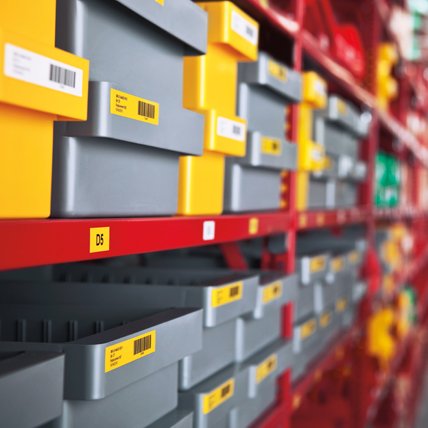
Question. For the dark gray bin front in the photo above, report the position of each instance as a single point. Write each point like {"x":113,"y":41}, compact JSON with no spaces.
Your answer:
{"x":31,"y":388}
{"x":125,"y":181}
{"x":178,"y":418}
{"x":254,"y":182}
{"x":98,"y":392}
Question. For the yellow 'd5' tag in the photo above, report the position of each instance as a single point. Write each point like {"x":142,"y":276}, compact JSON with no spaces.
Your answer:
{"x":271,"y":146}
{"x":265,"y":368}
{"x":277,"y":70}
{"x":224,"y":295}
{"x":132,"y":107}
{"x":317,"y":264}
{"x":99,"y":239}
{"x":337,"y":264}
{"x":130,"y":350}
{"x":272,"y":292}
{"x":341,"y":305}
{"x":253,"y":225}
{"x":354,"y":257}
{"x":217,"y":397}
{"x":325,"y":319}
{"x":308,"y":328}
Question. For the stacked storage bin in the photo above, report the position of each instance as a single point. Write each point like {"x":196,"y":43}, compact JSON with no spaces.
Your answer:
{"x":242,"y":324}
{"x":121,"y":356}
{"x":339,"y":128}
{"x":311,"y":153}
{"x":266,"y":89}
{"x":38,"y":85}
{"x":387,"y":181}
{"x":312,"y":270}
{"x":210,"y":88}
{"x":24,"y":402}
{"x":123,"y":161}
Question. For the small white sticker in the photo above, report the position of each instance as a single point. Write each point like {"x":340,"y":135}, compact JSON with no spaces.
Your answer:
{"x":320,"y":88}
{"x":230,"y":129}
{"x":209,"y":230}
{"x":245,"y":29}
{"x":40,"y":70}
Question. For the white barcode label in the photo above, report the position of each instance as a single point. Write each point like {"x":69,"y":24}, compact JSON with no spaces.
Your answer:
{"x":245,"y":29}
{"x":230,"y":129}
{"x":208,"y":233}
{"x":40,"y":70}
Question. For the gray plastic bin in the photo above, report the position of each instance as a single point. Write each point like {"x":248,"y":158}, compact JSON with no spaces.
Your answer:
{"x":123,"y":161}
{"x":115,"y":374}
{"x":31,"y":388}
{"x":223,"y":295}
{"x":266,"y":88}
{"x":178,"y":418}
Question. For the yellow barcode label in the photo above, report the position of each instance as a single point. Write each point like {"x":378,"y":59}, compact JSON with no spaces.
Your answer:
{"x":341,"y":305}
{"x":253,"y":225}
{"x":303,"y":220}
{"x":325,"y":319}
{"x":130,"y":350}
{"x":99,"y":239}
{"x":337,"y":264}
{"x":354,"y":257}
{"x":271,"y":146}
{"x":224,"y":295}
{"x":272,"y":292}
{"x":218,"y":396}
{"x":341,"y":106}
{"x":308,"y":328}
{"x":132,"y":107}
{"x":277,"y":70}
{"x":161,"y":2}
{"x":318,"y":264}
{"x":265,"y":368}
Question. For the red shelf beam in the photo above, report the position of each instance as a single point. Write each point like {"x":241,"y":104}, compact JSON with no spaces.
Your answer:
{"x":26,"y":243}
{"x":318,"y":219}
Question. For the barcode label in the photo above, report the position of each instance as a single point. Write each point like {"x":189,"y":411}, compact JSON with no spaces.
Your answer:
{"x":132,"y":107}
{"x":231,"y":129}
{"x":30,"y":67}
{"x":142,"y":345}
{"x":224,"y":295}
{"x":62,"y":76}
{"x":123,"y":353}
{"x":277,"y":71}
{"x":272,"y":292}
{"x":218,"y":396}
{"x":265,"y":368}
{"x":246,"y":29}
{"x":271,"y":146}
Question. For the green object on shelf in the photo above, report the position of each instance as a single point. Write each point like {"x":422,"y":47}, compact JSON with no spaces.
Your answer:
{"x":387,"y":181}
{"x":411,"y":292}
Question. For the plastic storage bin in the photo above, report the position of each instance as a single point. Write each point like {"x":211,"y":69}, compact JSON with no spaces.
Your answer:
{"x":264,"y":370}
{"x":38,"y":85}
{"x":210,"y":85}
{"x":24,"y":402}
{"x":266,"y":89}
{"x":225,"y":296}
{"x":123,"y":161}
{"x":121,"y":360}
{"x":311,"y":153}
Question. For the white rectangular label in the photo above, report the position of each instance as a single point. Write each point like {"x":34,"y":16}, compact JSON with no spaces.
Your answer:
{"x":40,"y":70}
{"x":208,"y":231}
{"x":230,"y":129}
{"x":244,"y":28}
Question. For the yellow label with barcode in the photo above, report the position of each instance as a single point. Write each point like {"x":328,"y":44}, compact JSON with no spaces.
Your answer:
{"x":218,"y":396}
{"x":130,"y":350}
{"x":253,"y":225}
{"x":229,"y":293}
{"x":341,"y":305}
{"x":271,"y":146}
{"x":308,"y":328}
{"x":99,"y":239}
{"x":341,"y":106}
{"x":354,"y":257}
{"x":132,"y":107}
{"x":325,"y":319}
{"x":272,"y":292}
{"x":337,"y":264}
{"x":265,"y":368}
{"x":277,"y":70}
{"x":317,"y":264}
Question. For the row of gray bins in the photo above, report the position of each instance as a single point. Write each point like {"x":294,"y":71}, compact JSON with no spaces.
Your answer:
{"x":102,"y":346}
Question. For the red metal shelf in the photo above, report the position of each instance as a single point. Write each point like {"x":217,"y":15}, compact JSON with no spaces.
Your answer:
{"x":317,"y":219}
{"x":399,"y":213}
{"x":27,"y":243}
